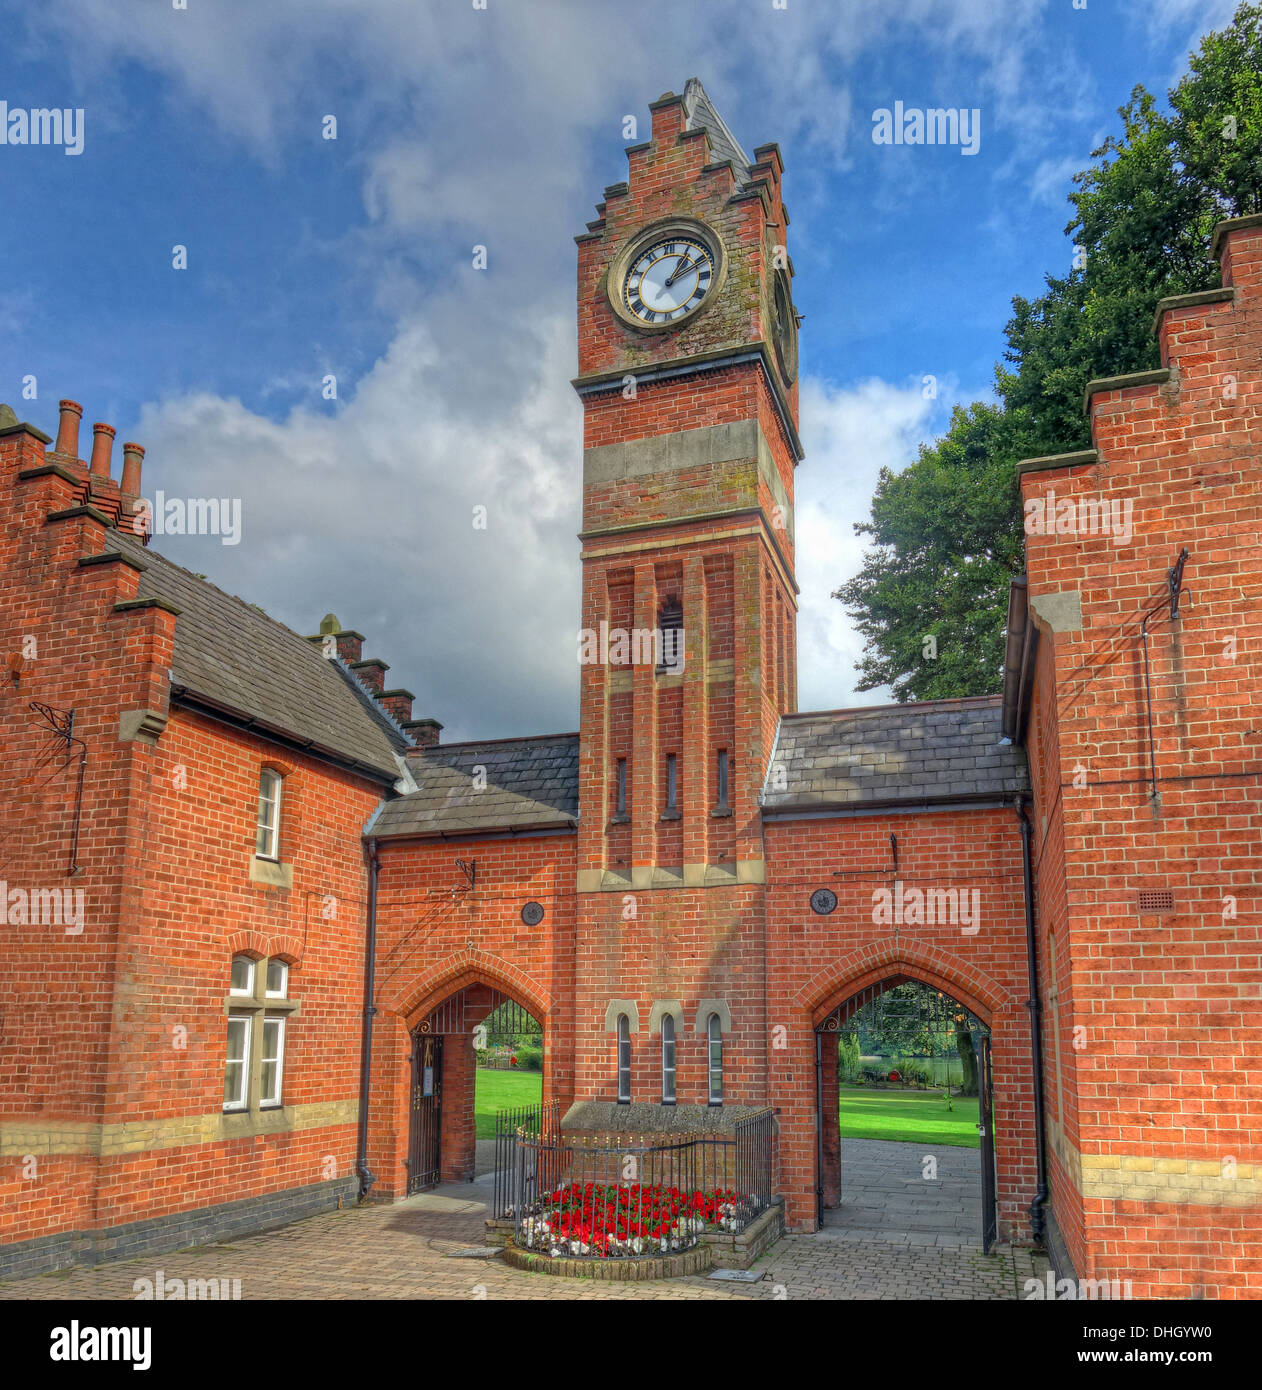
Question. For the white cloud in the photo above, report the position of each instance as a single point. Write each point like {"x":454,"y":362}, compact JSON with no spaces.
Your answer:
{"x":370,"y":514}
{"x":484,"y":126}
{"x":1051,"y":181}
{"x":849,"y":435}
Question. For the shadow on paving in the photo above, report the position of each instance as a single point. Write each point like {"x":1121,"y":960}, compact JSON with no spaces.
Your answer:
{"x":409,"y":1250}
{"x":886,"y":1193}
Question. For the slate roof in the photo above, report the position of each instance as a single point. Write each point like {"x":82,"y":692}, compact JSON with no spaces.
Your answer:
{"x":234,"y":656}
{"x":531,"y":783}
{"x":700,"y":111}
{"x":929,"y":750}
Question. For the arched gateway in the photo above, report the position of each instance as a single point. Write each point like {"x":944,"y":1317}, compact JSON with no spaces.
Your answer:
{"x":929,"y":1023}
{"x":476,"y":1027}
{"x":991,"y":1032}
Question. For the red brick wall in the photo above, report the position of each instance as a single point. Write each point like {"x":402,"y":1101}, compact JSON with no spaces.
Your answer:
{"x":817,"y":962}
{"x":682,"y":943}
{"x":1056,"y":980}
{"x":124,"y":1022}
{"x":1167,"y":1000}
{"x":436,"y":937}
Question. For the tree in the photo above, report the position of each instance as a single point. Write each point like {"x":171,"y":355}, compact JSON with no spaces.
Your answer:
{"x":948,"y":540}
{"x":947,"y":529}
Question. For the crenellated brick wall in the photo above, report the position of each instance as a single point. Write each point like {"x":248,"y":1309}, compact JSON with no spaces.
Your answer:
{"x":1158,"y":1026}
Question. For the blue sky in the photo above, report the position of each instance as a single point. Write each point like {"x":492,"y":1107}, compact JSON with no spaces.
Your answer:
{"x":500,"y":127}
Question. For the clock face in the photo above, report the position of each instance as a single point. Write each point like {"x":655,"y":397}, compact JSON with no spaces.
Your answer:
{"x":668,"y":280}
{"x":785,"y":328}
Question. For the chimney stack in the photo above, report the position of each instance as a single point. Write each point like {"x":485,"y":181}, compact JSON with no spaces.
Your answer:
{"x":397,"y":703}
{"x":132,"y":455}
{"x":102,"y":444}
{"x":68,"y":429}
{"x":348,"y":645}
{"x":424,"y":732}
{"x":371,"y":672}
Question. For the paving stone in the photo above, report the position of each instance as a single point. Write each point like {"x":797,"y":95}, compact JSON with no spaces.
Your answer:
{"x":404,"y":1251}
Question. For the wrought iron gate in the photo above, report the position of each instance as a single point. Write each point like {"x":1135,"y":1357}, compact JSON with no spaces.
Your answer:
{"x":986,"y":1133}
{"x":425,"y":1140}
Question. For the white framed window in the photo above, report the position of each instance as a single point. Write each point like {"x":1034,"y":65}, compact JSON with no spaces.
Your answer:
{"x":714,"y":1048}
{"x":267,"y":841}
{"x":668,"y":1059}
{"x":273,"y":1059}
{"x":242,"y":979}
{"x":236,"y":1077}
{"x":277,"y":979}
{"x":624,"y":1060}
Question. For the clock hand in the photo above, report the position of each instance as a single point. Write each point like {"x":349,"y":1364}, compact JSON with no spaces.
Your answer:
{"x":684,"y":265}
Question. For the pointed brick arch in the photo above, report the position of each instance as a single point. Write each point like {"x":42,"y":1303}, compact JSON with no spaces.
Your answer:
{"x":399,"y":1010}
{"x":994,"y":1003}
{"x":468,"y":967}
{"x":878,"y":961}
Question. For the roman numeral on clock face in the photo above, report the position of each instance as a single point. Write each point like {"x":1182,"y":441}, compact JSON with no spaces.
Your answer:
{"x":668,"y":280}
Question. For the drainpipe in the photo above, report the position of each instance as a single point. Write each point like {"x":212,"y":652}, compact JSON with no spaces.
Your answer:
{"x":1038,"y":1216}
{"x":366,"y":1176}
{"x":819,"y":1129}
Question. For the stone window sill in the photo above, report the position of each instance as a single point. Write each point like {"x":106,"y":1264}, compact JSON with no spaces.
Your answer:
{"x":271,"y":873}
{"x":251,"y":1004}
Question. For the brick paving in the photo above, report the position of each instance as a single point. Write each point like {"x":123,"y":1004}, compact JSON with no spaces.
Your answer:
{"x":408,"y":1251}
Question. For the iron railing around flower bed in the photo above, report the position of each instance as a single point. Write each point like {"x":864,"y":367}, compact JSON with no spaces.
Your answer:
{"x":511,"y":1179}
{"x":611,"y":1197}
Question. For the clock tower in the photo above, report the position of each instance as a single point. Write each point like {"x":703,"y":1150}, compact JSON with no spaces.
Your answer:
{"x":687,"y":351}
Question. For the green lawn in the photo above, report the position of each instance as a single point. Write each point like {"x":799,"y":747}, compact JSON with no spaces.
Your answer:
{"x":493,"y":1090}
{"x":865,"y":1113}
{"x":910,"y":1116}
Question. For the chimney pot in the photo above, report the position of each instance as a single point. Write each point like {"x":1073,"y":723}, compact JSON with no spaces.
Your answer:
{"x":102,"y":444}
{"x":132,"y":455}
{"x":68,"y":429}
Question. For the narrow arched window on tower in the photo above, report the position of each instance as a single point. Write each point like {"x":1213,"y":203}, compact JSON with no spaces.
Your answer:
{"x":670,"y":626}
{"x":668,"y":1059}
{"x":720,"y":803}
{"x":624,"y":1060}
{"x":714,"y":1036}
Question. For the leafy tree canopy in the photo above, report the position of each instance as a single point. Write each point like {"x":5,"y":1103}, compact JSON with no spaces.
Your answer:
{"x":946,"y":530}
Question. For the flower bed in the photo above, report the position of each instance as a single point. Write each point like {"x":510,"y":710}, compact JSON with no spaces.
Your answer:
{"x":611,"y":1221}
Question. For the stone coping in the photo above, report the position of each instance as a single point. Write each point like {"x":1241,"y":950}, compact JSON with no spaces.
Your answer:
{"x":670,"y":1266}
{"x":673,"y":1124}
{"x":1156,"y":377}
{"x":1049,"y":461}
{"x":1232,"y":224}
{"x":1225,"y":295}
